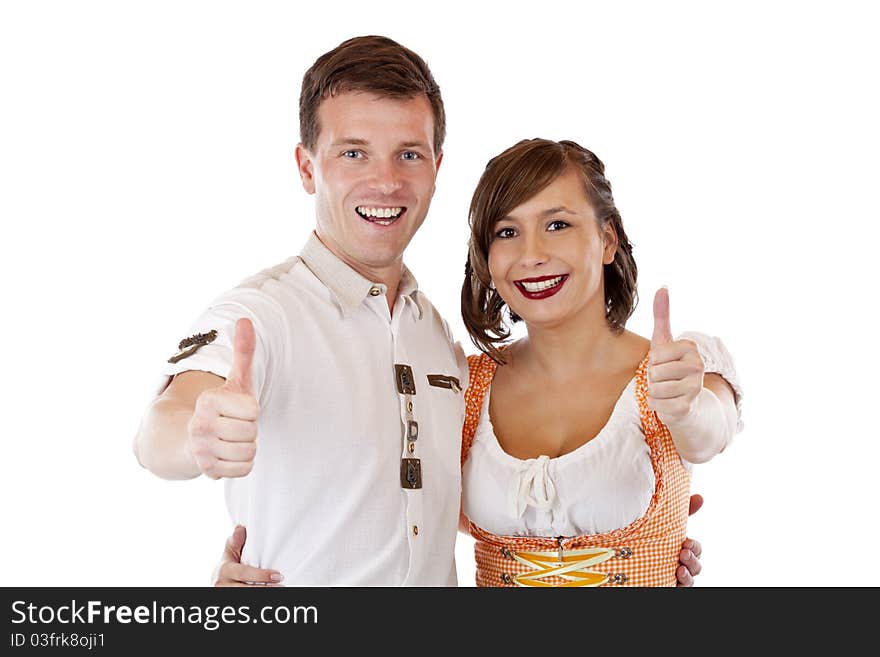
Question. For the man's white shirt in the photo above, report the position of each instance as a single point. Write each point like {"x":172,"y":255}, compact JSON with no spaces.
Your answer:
{"x":326,"y":502}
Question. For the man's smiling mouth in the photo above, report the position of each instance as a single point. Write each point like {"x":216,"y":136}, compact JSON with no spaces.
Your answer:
{"x":383,"y":216}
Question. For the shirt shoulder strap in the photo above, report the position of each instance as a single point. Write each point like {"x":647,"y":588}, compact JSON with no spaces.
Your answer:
{"x":481,"y":369}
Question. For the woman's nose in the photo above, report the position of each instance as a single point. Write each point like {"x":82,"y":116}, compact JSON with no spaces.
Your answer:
{"x":534,"y":251}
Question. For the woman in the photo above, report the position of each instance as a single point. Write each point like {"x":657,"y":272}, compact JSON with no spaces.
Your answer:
{"x":568,"y":476}
{"x":566,"y":471}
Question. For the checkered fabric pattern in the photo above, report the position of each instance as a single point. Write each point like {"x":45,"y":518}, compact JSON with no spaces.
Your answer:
{"x":645,"y":552}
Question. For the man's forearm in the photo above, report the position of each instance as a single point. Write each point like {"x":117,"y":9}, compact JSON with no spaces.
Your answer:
{"x":161,"y":442}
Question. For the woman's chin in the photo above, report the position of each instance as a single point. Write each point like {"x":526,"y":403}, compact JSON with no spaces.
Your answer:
{"x":544,"y":319}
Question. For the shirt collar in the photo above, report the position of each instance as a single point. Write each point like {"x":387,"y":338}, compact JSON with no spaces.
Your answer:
{"x":348,"y":286}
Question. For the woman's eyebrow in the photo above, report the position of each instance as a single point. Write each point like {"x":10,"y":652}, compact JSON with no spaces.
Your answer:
{"x":557,"y":210}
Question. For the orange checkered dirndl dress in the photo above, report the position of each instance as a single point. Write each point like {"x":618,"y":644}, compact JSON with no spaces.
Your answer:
{"x":644,"y":553}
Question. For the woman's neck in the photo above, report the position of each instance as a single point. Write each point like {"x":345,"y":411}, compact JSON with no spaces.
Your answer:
{"x":570,"y":349}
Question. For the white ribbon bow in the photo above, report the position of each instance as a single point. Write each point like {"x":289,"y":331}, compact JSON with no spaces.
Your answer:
{"x":531,"y":486}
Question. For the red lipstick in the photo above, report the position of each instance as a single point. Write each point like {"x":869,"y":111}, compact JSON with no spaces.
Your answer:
{"x":540,"y":294}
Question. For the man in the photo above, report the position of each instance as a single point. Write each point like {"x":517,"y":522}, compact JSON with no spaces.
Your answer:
{"x":347,"y":369}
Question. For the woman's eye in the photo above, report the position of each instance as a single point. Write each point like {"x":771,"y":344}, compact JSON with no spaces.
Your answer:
{"x":505,"y":232}
{"x":558,"y":225}
{"x":410,"y":155}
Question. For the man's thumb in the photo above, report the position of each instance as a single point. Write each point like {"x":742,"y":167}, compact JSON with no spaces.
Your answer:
{"x":662,"y":331}
{"x":242,"y":354}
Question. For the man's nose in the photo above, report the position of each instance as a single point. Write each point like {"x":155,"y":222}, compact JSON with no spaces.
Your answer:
{"x":386,"y":178}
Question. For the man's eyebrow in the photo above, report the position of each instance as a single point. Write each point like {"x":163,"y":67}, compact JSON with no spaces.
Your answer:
{"x":414,"y":144}
{"x":350,"y":141}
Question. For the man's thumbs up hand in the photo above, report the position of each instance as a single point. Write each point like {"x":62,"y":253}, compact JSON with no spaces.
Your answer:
{"x":242,"y":356}
{"x":675,"y":368}
{"x":222,"y":432}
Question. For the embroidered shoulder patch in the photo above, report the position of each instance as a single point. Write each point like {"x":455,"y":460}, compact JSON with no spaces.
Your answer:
{"x":189,"y":346}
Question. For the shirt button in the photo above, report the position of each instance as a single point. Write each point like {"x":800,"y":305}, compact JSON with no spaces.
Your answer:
{"x":375,"y":291}
{"x":415,"y":530}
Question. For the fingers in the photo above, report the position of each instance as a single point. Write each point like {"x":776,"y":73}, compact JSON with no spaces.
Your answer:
{"x":689,"y":557}
{"x":233,"y":573}
{"x":238,"y":574}
{"x":674,"y":370}
{"x":662,"y":330}
{"x":668,"y":389}
{"x":690,"y":561}
{"x":205,"y":443}
{"x":675,"y":378}
{"x":683,"y":577}
{"x":235,"y":544}
{"x":235,"y":430}
{"x":675,"y":409}
{"x":235,"y":452}
{"x":222,"y":433}
{"x":229,"y":403}
{"x":696,"y":503}
{"x":244,"y":344}
{"x":217,"y":468}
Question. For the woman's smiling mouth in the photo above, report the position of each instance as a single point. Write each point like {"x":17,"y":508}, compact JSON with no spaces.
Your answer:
{"x":540,"y":287}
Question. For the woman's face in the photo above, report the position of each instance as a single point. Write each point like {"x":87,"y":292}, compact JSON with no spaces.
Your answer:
{"x":547,"y":254}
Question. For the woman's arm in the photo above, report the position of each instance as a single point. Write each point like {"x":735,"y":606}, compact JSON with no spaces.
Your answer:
{"x":699,"y":409}
{"x":231,"y":572}
{"x":708,"y":423}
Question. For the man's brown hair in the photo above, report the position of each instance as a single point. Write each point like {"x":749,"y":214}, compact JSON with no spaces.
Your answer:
{"x":511,"y":179}
{"x":373,"y":64}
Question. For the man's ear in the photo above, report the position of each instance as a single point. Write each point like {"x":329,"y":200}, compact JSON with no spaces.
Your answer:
{"x":306,"y":168}
{"x":609,"y":235}
{"x":438,"y":161}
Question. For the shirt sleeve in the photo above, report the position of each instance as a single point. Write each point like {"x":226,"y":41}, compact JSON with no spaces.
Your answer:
{"x":215,"y":356}
{"x":717,"y":360}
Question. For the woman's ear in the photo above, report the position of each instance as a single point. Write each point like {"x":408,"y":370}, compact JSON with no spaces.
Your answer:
{"x":609,"y":235}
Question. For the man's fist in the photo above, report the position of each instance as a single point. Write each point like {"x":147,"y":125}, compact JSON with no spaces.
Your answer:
{"x":222,"y":433}
{"x":675,"y":368}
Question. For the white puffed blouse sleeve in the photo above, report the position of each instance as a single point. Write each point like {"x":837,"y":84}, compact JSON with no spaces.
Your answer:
{"x":717,"y":360}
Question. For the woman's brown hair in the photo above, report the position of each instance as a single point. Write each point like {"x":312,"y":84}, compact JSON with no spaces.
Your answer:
{"x":511,"y":179}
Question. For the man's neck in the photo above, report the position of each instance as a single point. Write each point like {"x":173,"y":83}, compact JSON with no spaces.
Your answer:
{"x":389,"y":276}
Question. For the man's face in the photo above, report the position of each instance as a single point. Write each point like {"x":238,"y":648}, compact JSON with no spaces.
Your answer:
{"x":372,"y":171}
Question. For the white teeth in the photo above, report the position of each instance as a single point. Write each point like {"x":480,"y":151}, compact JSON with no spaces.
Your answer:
{"x":385,"y":213}
{"x":542,"y":285}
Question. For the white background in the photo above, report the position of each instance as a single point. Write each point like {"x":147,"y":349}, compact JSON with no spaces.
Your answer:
{"x":146,"y":165}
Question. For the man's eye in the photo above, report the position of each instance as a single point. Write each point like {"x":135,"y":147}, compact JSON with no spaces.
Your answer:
{"x":352,"y":154}
{"x":505,"y":232}
{"x":558,"y":224}
{"x":410,"y":155}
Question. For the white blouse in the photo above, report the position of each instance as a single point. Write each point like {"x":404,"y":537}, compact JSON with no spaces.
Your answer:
{"x":604,"y":484}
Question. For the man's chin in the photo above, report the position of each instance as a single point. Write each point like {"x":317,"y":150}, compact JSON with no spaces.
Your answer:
{"x":375,"y":255}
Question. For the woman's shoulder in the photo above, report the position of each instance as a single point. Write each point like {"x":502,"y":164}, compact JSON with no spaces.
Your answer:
{"x":632,"y":349}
